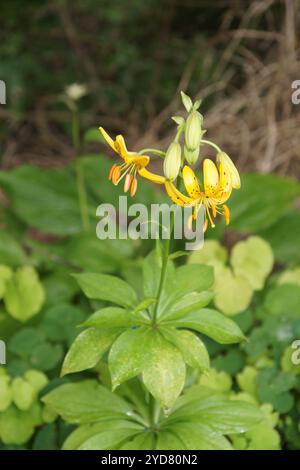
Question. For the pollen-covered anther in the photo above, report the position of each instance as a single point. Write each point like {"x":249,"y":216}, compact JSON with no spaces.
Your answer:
{"x":226,"y":214}
{"x":127,"y":183}
{"x":111,"y":171}
{"x":133,"y":186}
{"x":115,"y":175}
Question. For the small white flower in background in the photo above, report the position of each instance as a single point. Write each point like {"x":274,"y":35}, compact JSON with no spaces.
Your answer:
{"x":76,"y":91}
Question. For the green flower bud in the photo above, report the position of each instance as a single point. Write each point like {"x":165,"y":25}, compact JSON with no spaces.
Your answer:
{"x":172,"y":161}
{"x":191,"y":156}
{"x":187,"y":102}
{"x":193,"y":132}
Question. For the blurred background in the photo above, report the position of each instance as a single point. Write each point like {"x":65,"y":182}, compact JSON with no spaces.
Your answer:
{"x":239,"y":56}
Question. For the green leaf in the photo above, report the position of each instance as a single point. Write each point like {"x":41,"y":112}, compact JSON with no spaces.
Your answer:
{"x":84,"y":433}
{"x":284,"y":237}
{"x":5,"y":392}
{"x":24,"y":295}
{"x":128,"y":355}
{"x":85,"y":402}
{"x":11,"y":252}
{"x":211,"y":251}
{"x":283,"y":300}
{"x":261,"y":201}
{"x":55,"y":210}
{"x":90,"y":254}
{"x":87,"y":349}
{"x":5,"y":274}
{"x":211,"y":323}
{"x":164,"y":372}
{"x":151,"y":273}
{"x":199,"y":437}
{"x":191,"y":347}
{"x":60,"y":322}
{"x":223,"y":415}
{"x":144,"y":441}
{"x":193,"y":278}
{"x":23,"y":393}
{"x":188,"y":303}
{"x":105,"y":287}
{"x":110,"y":317}
{"x":233,"y":294}
{"x":16,"y":426}
{"x":252,"y":259}
{"x":168,"y":440}
{"x":108,"y":440}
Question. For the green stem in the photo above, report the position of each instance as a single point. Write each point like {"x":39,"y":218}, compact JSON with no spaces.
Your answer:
{"x":160,"y":153}
{"x":208,"y":142}
{"x":81,"y":189}
{"x":163,"y":269}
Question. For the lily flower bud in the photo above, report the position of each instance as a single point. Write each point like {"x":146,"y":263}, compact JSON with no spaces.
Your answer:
{"x":172,"y":161}
{"x":222,"y":157}
{"x":191,"y":156}
{"x":193,"y":131}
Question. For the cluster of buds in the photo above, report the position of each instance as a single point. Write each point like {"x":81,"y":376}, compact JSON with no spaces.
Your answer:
{"x":193,"y":133}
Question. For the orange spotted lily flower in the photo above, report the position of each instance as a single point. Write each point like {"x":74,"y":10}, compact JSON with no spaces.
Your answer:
{"x":217,"y":188}
{"x":133,"y":163}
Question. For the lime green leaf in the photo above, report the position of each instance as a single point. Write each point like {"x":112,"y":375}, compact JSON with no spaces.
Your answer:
{"x":261,"y":201}
{"x":128,"y":355}
{"x":110,"y":317}
{"x":211,"y":252}
{"x":199,"y":437}
{"x":233,"y":294}
{"x":283,"y":300}
{"x":16,"y":426}
{"x":247,"y":380}
{"x":226,"y":416}
{"x":85,"y":402}
{"x":252,"y":259}
{"x":23,"y":393}
{"x":191,"y":347}
{"x":87,"y":349}
{"x":82,"y":434}
{"x":211,"y":323}
{"x":164,"y":372}
{"x":105,"y":287}
{"x":290,"y":276}
{"x":216,"y":380}
{"x":108,"y":440}
{"x":193,"y":278}
{"x":37,"y":379}
{"x":188,"y":303}
{"x":144,"y":441}
{"x":5,"y":392}
{"x":168,"y":440}
{"x":24,"y":295}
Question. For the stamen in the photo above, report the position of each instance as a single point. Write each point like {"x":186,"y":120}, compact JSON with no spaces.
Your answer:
{"x":128,"y":181}
{"x":205,"y":225}
{"x":111,"y":171}
{"x":115,"y":175}
{"x":214,"y":210}
{"x":226,"y":214}
{"x":124,"y":173}
{"x":133,"y":186}
{"x":210,"y":219}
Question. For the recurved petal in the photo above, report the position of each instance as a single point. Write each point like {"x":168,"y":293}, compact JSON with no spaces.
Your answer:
{"x":190,"y":182}
{"x":210,"y":177}
{"x":222,"y":157}
{"x":108,"y":139}
{"x":177,"y":197}
{"x":151,"y":176}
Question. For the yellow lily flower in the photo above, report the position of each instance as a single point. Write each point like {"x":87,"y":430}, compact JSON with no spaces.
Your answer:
{"x":217,"y":188}
{"x":133,"y":164}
